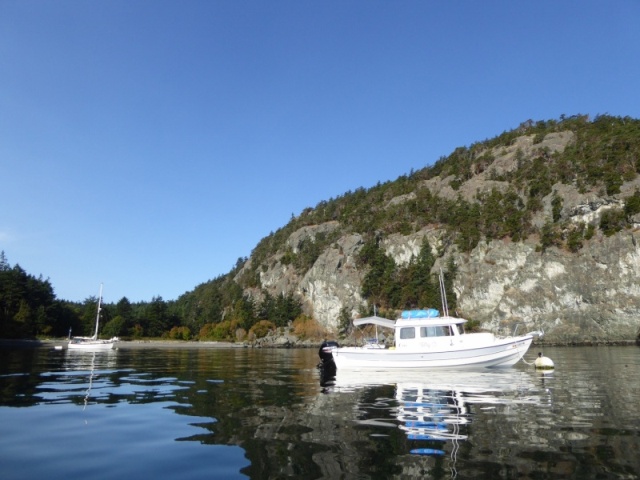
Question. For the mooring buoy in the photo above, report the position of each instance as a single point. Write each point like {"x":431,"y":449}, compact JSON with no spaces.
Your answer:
{"x":543,"y":363}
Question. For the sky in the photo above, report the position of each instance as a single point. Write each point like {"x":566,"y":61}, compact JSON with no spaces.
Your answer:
{"x":150,"y":144}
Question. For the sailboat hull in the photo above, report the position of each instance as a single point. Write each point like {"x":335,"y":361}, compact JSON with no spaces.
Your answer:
{"x":91,"y":345}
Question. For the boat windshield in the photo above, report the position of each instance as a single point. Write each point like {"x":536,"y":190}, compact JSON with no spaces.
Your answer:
{"x":437,"y":331}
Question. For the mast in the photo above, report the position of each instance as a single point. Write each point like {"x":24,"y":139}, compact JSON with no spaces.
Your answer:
{"x":95,"y":335}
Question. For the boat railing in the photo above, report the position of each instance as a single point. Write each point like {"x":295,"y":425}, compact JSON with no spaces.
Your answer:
{"x":535,"y":333}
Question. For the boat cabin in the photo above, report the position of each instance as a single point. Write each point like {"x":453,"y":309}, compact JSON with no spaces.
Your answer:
{"x":419,"y":328}
{"x":421,"y":332}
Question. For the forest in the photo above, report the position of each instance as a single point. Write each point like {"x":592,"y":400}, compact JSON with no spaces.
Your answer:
{"x":30,"y":309}
{"x":604,"y":155}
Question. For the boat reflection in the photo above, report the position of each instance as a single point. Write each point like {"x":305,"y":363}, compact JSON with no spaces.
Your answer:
{"x":90,"y":364}
{"x":78,"y":360}
{"x":428,"y":414}
{"x":436,"y":408}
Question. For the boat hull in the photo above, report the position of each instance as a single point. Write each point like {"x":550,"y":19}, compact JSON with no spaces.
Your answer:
{"x":92,"y":345}
{"x":499,"y":353}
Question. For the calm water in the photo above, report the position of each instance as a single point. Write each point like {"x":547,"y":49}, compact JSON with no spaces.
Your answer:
{"x":243,"y":413}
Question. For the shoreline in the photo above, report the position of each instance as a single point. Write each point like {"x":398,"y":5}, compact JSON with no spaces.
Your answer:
{"x":123,"y":344}
{"x":142,"y":344}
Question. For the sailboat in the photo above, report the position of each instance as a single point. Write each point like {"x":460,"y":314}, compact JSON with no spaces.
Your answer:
{"x":93,"y":343}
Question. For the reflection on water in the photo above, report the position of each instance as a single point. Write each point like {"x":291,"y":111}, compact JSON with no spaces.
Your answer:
{"x":435,"y":410}
{"x":574,"y":422}
{"x":238,"y":413}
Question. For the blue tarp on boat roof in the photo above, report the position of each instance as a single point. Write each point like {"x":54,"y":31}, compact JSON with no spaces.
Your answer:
{"x":428,"y":313}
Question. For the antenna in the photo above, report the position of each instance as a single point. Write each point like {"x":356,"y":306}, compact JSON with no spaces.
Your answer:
{"x":443,"y":295}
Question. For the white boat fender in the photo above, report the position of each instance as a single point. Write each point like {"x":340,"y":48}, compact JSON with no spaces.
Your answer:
{"x":543,"y":363}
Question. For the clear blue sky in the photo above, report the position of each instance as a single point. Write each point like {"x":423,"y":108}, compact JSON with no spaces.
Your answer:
{"x":150,"y":144}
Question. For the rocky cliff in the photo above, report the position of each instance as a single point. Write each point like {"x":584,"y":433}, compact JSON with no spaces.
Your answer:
{"x":588,"y":294}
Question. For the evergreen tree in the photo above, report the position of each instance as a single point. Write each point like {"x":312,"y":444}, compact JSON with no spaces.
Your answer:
{"x":158,"y":321}
{"x":4,"y":263}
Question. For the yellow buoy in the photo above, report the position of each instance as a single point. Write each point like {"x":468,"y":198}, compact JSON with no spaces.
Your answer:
{"x":543,"y":363}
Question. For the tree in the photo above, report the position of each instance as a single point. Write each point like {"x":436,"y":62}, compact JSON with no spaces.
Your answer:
{"x":123,"y":310}
{"x":556,"y":204}
{"x":23,"y":321}
{"x":243,"y":311}
{"x":25,"y":302}
{"x":115,"y":327}
{"x":4,"y":263}
{"x":88,"y":317}
{"x":157,"y":318}
{"x":279,"y":310}
{"x":419,"y":290}
{"x":377,"y":285}
{"x":344,"y":321}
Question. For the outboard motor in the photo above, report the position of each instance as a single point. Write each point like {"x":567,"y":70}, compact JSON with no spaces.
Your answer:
{"x":325,"y":351}
{"x":327,"y":366}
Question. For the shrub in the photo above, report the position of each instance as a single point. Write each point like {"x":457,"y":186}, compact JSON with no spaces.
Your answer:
{"x":612,"y":221}
{"x":261,"y":329}
{"x":574,"y":238}
{"x":556,"y":204}
{"x":218,"y":331}
{"x":472,"y":326}
{"x":137,"y":331}
{"x":206,"y":332}
{"x":305,"y":327}
{"x":180,"y":333}
{"x":632,"y":205}
{"x":550,"y":236}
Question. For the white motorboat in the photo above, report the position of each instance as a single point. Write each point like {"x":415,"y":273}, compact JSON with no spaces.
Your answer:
{"x":425,"y":339}
{"x":93,"y":343}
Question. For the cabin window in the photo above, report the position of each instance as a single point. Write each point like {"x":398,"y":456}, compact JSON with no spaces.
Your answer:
{"x":439,"y":331}
{"x":408,"y":332}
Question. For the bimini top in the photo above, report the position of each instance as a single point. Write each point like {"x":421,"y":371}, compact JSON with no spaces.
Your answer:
{"x":406,"y":320}
{"x":375,"y":320}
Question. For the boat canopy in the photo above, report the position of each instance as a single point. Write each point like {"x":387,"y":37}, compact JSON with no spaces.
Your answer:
{"x":375,"y":320}
{"x":432,"y":322}
{"x":428,"y":313}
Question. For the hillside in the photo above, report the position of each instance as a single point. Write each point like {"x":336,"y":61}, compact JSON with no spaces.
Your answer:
{"x":537,"y":227}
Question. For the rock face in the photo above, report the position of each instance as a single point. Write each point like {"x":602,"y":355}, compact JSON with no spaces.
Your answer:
{"x":589,"y":296}
{"x":331,"y":284}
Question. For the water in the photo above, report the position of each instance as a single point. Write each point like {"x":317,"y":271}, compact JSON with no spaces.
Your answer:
{"x":193,"y":413}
